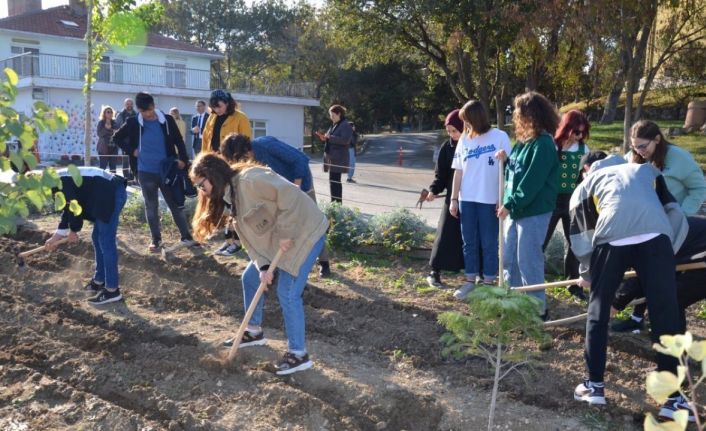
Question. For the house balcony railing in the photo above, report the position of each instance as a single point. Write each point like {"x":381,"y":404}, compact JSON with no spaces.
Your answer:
{"x":115,"y":71}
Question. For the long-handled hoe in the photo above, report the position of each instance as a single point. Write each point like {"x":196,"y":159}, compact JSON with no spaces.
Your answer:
{"x":230,"y":358}
{"x":21,"y":256}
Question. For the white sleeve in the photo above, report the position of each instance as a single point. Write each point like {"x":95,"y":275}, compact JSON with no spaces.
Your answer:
{"x":457,"y":162}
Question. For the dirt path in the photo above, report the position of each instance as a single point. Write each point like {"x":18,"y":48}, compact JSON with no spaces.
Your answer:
{"x":139,"y":364}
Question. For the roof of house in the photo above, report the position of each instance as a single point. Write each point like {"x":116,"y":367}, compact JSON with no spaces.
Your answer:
{"x":65,"y":21}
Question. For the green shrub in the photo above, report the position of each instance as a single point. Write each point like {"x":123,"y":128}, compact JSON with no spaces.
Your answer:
{"x":398,"y":230}
{"x":348,"y":227}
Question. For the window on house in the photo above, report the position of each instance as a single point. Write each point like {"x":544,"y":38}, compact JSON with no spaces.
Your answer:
{"x":25,"y":60}
{"x":103,"y":74}
{"x":117,"y":66}
{"x":259,"y":128}
{"x":176,"y":75}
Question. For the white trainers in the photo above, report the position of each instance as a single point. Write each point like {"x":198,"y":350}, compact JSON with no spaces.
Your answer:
{"x":462,"y":292}
{"x":591,"y":393}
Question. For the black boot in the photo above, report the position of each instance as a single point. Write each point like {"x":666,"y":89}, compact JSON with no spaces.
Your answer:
{"x":325,"y":269}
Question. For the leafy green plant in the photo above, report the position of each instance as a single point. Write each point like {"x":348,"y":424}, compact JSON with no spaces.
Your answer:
{"x":662,"y":384}
{"x":496,"y":317}
{"x":348,"y":228}
{"x":399,"y":230}
{"x":17,"y":194}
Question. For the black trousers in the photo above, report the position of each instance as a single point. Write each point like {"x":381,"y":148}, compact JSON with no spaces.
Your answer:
{"x":334,"y":179}
{"x":561,"y":212}
{"x":654,"y":262}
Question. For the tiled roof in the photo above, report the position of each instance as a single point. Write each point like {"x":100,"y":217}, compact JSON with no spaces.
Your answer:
{"x":49,"y":22}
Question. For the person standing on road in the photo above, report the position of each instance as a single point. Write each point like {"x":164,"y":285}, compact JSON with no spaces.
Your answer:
{"x":102,"y":197}
{"x":198,"y":121}
{"x":283,"y":159}
{"x":127,"y":112}
{"x":573,"y":129}
{"x":351,"y":154}
{"x":531,"y":183}
{"x":447,"y":251}
{"x":270,"y":214}
{"x":476,"y":185}
{"x":107,"y":151}
{"x":152,"y":139}
{"x":336,"y":150}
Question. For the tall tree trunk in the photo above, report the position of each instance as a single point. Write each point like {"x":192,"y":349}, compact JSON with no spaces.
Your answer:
{"x":88,"y":131}
{"x":483,"y":85}
{"x":611,"y":106}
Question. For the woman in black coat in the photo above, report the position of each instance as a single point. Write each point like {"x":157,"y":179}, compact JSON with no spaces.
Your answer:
{"x":447,"y":252}
{"x":337,"y":139}
{"x":105,"y":129}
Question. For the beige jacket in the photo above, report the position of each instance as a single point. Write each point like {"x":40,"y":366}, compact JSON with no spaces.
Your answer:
{"x":270,"y":208}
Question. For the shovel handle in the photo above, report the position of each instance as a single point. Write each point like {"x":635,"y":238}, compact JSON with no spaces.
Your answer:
{"x":251,"y":308}
{"x":41,"y":248}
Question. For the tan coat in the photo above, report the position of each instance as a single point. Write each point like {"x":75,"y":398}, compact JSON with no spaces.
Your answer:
{"x":270,"y":208}
{"x":237,"y":122}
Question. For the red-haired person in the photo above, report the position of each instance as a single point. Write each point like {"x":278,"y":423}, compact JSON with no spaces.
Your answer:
{"x":570,"y":138}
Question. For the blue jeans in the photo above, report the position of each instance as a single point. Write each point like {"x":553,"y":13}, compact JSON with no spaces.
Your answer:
{"x":105,"y":246}
{"x":479,"y":228}
{"x":289,"y":292}
{"x":351,"y":162}
{"x":523,"y":259}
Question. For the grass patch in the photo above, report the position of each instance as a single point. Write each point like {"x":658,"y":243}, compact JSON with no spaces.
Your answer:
{"x":656,"y":98}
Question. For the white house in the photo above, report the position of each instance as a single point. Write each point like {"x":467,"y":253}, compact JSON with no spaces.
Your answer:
{"x":47,"y":50}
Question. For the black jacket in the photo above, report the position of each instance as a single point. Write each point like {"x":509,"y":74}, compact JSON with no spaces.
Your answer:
{"x":195,"y":122}
{"x":444,"y":173}
{"x":96,"y":195}
{"x":129,"y":135}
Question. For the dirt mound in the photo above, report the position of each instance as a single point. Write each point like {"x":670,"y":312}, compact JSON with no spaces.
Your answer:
{"x":140,"y":364}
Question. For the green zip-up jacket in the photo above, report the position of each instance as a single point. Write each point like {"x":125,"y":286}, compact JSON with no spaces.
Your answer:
{"x":532,"y":177}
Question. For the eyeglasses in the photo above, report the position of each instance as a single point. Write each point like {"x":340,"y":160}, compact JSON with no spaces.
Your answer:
{"x":642,"y":147}
{"x":578,"y":132}
{"x":200,"y":184}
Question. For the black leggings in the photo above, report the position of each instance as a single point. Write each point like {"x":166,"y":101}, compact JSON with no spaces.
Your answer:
{"x":336,"y":186}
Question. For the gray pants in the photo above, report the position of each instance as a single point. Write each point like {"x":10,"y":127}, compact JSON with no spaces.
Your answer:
{"x":151,"y":184}
{"x":323,"y":256}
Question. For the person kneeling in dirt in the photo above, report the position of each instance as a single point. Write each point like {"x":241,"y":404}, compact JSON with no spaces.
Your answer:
{"x":270,"y":213}
{"x":622,"y":216}
{"x":691,"y":285}
{"x":102,"y":197}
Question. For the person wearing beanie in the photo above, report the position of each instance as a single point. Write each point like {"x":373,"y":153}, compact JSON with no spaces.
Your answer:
{"x":474,"y":195}
{"x":447,"y":251}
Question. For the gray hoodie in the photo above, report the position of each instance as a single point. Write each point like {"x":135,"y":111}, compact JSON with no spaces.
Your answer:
{"x":619,"y":200}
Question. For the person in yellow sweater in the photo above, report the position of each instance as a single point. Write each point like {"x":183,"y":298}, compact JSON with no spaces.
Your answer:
{"x":225,"y":119}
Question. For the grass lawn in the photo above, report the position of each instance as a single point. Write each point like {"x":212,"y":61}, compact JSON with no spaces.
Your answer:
{"x":608,"y":136}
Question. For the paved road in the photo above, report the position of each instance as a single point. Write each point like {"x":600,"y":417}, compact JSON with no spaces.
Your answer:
{"x":382,"y":184}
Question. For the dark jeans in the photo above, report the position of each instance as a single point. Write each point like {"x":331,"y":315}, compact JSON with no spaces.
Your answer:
{"x":561,"y":212}
{"x":151,"y":184}
{"x":197,"y":147}
{"x":654,"y":262}
{"x":105,"y":160}
{"x":336,"y":186}
{"x":104,"y":244}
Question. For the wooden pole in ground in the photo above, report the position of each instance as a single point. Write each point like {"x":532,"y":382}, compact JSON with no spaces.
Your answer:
{"x":501,"y":233}
{"x":251,"y":309}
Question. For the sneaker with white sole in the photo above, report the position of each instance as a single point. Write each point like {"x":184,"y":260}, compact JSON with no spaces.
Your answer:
{"x":434,"y":280}
{"x":249,"y":339}
{"x":93,"y":287}
{"x":673,"y":405}
{"x":462,"y":292}
{"x":189,"y":243}
{"x":628,"y":325}
{"x":105,"y":296}
{"x":592,"y":393}
{"x":292,"y":363}
{"x":228,"y":249}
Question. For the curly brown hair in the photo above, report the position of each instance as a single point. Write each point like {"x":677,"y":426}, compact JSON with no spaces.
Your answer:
{"x":533,"y":115}
{"x":210,"y":208}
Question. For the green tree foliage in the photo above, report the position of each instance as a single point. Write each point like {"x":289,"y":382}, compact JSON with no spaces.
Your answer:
{"x":496,"y":319}
{"x":27,"y":190}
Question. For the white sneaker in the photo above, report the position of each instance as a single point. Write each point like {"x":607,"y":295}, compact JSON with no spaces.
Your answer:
{"x":464,"y":290}
{"x":189,"y":243}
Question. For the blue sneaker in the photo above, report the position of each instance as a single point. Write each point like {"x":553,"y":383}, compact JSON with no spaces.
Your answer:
{"x":590,"y":392}
{"x":673,"y":405}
